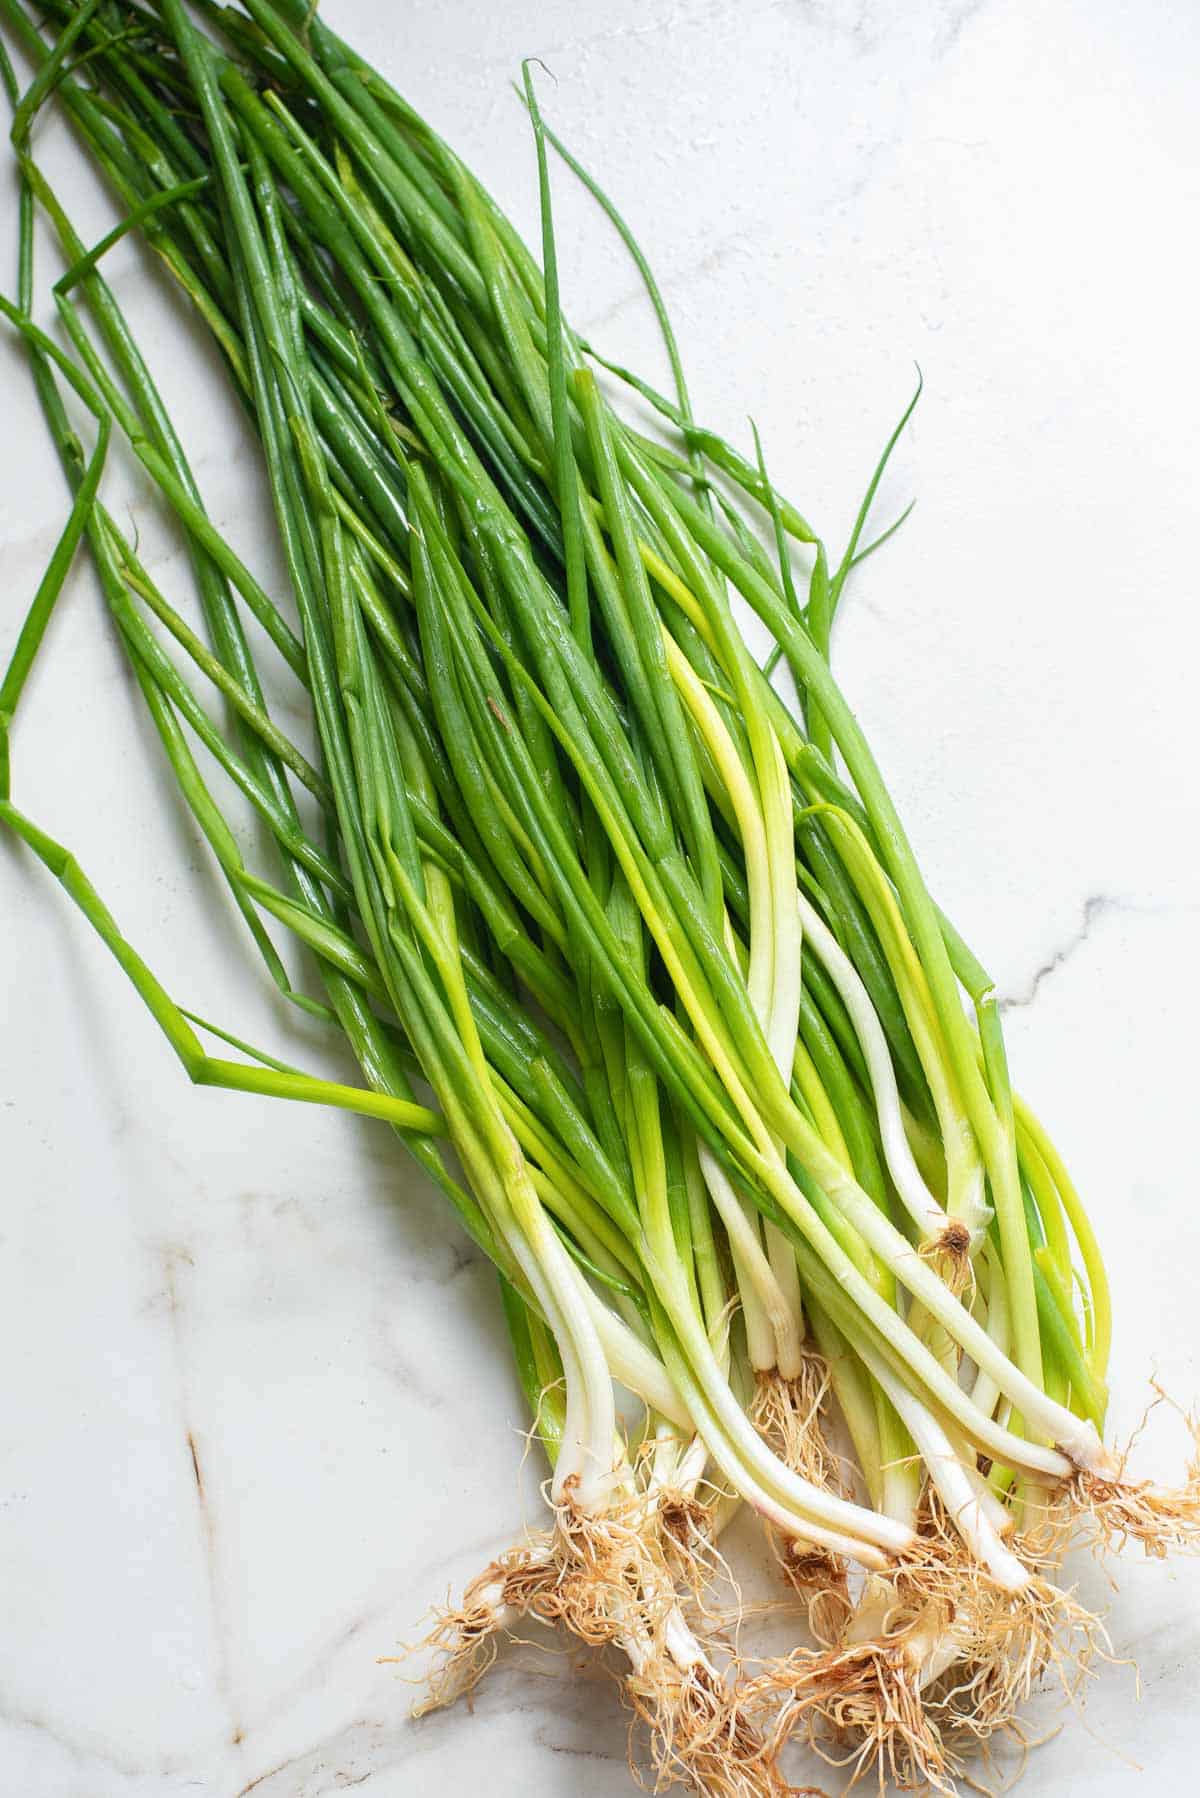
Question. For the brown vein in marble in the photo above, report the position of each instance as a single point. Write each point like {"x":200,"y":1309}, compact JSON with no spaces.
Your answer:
{"x":330,"y":1763}
{"x":175,"y":1257}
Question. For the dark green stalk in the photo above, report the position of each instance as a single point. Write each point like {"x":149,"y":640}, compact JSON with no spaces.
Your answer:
{"x":32,"y":631}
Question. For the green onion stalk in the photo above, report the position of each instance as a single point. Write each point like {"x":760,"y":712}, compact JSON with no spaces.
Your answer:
{"x":711,"y":1079}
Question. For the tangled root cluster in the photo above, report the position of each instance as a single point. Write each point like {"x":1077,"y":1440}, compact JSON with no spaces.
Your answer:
{"x":1039,"y":1630}
{"x":860,"y":1708}
{"x":858,"y":1700}
{"x":685,"y":1527}
{"x":464,"y":1640}
{"x":1109,"y":1512}
{"x":792,"y":1416}
{"x":1160,"y":1520}
{"x":907,"y":1683}
{"x":611,"y":1582}
{"x":703,"y":1739}
{"x":933,"y":1662}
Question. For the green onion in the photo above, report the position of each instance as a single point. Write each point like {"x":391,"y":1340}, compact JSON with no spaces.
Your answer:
{"x":716,"y":1086}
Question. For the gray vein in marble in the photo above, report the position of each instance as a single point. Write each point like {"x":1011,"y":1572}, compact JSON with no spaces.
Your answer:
{"x":866,"y":27}
{"x":13,"y":1717}
{"x":363,"y":1624}
{"x":955,"y":24}
{"x":662,"y":24}
{"x":677,"y":280}
{"x":1094,"y":906}
{"x":463,"y":1256}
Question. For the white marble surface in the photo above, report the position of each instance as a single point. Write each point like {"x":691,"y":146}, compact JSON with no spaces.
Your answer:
{"x":257,"y":1412}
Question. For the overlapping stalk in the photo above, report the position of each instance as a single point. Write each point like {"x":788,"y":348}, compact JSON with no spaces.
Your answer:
{"x":715,"y":1084}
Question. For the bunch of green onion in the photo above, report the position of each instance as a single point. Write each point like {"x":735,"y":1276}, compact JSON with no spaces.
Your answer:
{"x":704,"y":1070}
